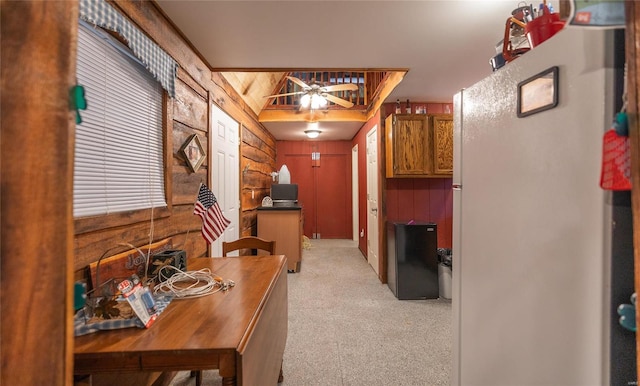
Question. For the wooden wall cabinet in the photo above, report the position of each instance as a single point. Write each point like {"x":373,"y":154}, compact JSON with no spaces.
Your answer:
{"x":283,"y":225}
{"x":441,"y":128}
{"x":419,"y":145}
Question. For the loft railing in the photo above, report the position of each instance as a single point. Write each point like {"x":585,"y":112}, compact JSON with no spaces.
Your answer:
{"x":367,"y":82}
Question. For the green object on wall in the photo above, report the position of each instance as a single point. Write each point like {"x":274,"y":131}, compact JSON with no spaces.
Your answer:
{"x":77,"y":101}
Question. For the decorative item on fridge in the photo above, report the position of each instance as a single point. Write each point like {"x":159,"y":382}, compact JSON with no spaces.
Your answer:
{"x":598,"y":13}
{"x":616,"y":156}
{"x":627,"y":314}
{"x":514,"y":42}
{"x":616,"y":153}
{"x":544,"y":25}
{"x":526,"y":28}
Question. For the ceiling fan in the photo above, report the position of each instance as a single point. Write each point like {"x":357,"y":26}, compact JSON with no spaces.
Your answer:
{"x":315,"y":95}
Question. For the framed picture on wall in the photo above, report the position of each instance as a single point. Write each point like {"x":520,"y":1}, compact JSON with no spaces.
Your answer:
{"x":193,"y":152}
{"x":538,"y":93}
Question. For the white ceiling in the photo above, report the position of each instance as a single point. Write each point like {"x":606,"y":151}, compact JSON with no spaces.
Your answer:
{"x":445,"y":44}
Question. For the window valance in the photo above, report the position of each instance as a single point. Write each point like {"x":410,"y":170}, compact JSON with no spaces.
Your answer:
{"x":157,"y":61}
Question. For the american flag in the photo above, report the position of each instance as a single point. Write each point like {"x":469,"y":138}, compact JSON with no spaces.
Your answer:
{"x":213,"y":221}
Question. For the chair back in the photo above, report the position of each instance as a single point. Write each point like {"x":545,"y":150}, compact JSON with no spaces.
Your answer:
{"x":249,"y":242}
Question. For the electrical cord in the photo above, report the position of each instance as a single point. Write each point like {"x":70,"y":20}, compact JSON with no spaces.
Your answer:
{"x":191,"y":284}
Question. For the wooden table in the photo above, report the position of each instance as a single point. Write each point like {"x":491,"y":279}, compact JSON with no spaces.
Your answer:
{"x":241,"y":332}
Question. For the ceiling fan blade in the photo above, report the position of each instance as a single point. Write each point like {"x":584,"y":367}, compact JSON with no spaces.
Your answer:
{"x":341,"y":87}
{"x":289,"y":93}
{"x":298,"y":82}
{"x":338,"y":101}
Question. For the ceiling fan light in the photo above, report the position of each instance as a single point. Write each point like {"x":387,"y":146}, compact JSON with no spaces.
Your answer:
{"x":323,"y":101}
{"x":316,"y":101}
{"x":305,"y":100}
{"x":312,"y":133}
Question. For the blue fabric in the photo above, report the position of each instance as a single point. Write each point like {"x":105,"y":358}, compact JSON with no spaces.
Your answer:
{"x":80,"y":327}
{"x":158,"y":62}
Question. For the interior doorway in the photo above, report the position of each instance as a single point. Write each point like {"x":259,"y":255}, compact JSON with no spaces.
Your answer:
{"x":322,"y":172}
{"x":224,"y":148}
{"x":372,"y":199}
{"x":354,"y":192}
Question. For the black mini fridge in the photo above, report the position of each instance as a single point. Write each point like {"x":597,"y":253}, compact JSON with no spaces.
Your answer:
{"x":412,"y":264}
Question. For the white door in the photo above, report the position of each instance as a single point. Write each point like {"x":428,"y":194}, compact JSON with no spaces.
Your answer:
{"x":354,"y":191}
{"x":225,"y":178}
{"x":372,"y":198}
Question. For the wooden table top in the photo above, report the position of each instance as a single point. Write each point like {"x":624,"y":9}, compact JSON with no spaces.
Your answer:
{"x":216,"y":324}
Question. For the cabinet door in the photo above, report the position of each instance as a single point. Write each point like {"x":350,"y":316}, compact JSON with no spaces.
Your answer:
{"x":410,"y":146}
{"x":283,"y":227}
{"x":442,"y":129}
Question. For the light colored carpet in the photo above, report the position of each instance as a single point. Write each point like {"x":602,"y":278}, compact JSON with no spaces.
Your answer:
{"x":346,"y":328}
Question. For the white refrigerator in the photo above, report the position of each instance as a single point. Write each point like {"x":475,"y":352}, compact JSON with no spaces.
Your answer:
{"x":533,"y":230}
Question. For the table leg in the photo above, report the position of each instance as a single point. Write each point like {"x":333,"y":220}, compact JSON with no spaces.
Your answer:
{"x":227,"y":369}
{"x":228,"y":381}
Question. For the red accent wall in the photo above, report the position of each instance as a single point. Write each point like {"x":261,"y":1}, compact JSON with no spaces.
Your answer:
{"x":324,"y":186}
{"x":422,"y":200}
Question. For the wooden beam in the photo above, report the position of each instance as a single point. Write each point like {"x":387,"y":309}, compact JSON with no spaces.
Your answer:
{"x":317,"y":116}
{"x":38,"y":44}
{"x":388,"y":85}
{"x":632,"y":33}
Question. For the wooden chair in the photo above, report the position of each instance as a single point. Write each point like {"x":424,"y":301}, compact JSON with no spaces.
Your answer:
{"x":249,"y":242}
{"x":243,"y":243}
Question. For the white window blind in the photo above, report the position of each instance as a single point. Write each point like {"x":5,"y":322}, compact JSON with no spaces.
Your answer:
{"x":118,"y":162}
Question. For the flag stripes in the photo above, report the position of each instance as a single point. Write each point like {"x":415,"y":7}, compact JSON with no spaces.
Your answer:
{"x":213,"y":220}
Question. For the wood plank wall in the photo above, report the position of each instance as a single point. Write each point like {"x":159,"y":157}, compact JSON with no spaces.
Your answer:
{"x":197,"y":88}
{"x":257,"y":163}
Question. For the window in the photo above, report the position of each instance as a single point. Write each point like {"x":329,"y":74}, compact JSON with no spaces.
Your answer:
{"x":118,"y":162}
